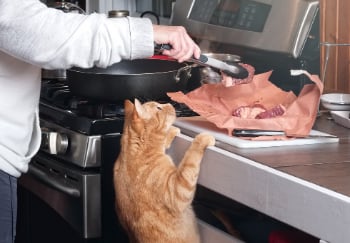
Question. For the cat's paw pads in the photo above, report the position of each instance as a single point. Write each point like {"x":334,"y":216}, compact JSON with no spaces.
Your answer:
{"x":205,"y":139}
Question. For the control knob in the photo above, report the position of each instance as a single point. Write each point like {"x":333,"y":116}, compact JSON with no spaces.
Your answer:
{"x":55,"y":143}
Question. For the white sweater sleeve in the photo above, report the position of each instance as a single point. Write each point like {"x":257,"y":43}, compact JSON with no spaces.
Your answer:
{"x":52,"y":39}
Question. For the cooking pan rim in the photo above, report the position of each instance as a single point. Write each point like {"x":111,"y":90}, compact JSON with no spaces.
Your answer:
{"x":100,"y":70}
{"x":84,"y":71}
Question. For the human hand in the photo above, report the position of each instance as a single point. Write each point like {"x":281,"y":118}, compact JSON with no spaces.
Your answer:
{"x":183,"y":47}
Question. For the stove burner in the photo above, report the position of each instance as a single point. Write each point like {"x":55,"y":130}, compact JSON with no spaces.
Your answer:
{"x":84,"y":115}
{"x":58,"y":94}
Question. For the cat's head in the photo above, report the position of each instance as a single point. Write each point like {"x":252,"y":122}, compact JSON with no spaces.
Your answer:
{"x":151,"y":115}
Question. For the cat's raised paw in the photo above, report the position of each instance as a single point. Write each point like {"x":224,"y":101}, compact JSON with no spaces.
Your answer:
{"x":205,"y":139}
{"x":174,"y":131}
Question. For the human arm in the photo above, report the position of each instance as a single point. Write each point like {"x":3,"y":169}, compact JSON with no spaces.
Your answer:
{"x":49,"y":38}
{"x":52,"y":39}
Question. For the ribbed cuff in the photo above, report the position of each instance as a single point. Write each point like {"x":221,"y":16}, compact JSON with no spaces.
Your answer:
{"x":142,"y":42}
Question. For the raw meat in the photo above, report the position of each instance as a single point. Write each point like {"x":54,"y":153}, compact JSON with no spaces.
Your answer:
{"x":248,"y":112}
{"x":258,"y":111}
{"x":273,"y":112}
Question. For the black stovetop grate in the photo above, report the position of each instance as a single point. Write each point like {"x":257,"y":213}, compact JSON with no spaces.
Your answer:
{"x":87,"y":116}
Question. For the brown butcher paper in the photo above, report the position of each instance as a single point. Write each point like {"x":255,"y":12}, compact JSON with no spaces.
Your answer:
{"x":215,"y":102}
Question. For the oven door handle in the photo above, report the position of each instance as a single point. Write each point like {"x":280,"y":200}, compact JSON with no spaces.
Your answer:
{"x":42,"y":176}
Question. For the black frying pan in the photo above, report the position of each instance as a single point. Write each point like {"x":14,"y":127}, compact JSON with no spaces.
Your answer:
{"x":148,"y":79}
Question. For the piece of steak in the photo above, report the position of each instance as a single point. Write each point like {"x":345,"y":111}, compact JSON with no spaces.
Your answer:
{"x":258,"y":111}
{"x":278,"y":110}
{"x":248,"y":112}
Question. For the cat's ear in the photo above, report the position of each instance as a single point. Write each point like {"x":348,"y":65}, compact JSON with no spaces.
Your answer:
{"x":128,"y":107}
{"x":141,"y":111}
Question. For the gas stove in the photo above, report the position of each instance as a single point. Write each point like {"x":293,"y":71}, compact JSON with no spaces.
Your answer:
{"x":73,"y":127}
{"x":87,"y":116}
{"x":74,"y":166}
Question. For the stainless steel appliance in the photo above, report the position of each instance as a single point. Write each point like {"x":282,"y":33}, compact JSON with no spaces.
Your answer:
{"x":276,"y":35}
{"x":67,"y":195}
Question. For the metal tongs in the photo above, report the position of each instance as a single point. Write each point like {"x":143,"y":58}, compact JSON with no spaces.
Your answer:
{"x":234,"y":70}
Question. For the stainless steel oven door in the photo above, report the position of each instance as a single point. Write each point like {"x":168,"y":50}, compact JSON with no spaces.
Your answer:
{"x":72,"y":193}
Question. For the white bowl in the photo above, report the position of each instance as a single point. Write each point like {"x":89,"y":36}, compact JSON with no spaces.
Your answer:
{"x":336,"y":101}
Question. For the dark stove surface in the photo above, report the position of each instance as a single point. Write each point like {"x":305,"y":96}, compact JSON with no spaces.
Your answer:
{"x":71,"y":119}
{"x":91,"y":117}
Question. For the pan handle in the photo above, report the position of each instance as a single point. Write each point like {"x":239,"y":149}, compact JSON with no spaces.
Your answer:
{"x":151,"y":13}
{"x":187,"y":68}
{"x":161,"y":47}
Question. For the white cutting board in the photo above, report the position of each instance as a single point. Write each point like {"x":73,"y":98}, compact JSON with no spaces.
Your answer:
{"x":199,"y":124}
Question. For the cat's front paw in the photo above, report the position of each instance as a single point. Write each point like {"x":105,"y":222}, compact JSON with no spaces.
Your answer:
{"x":205,"y":139}
{"x":173,"y":132}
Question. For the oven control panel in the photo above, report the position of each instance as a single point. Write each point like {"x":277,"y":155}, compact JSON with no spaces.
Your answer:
{"x":246,"y":15}
{"x":279,"y":26}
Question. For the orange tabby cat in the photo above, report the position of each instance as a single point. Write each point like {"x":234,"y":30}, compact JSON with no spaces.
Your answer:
{"x":153,"y":196}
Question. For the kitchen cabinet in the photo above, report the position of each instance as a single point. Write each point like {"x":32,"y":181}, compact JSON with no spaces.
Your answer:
{"x":335,"y":28}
